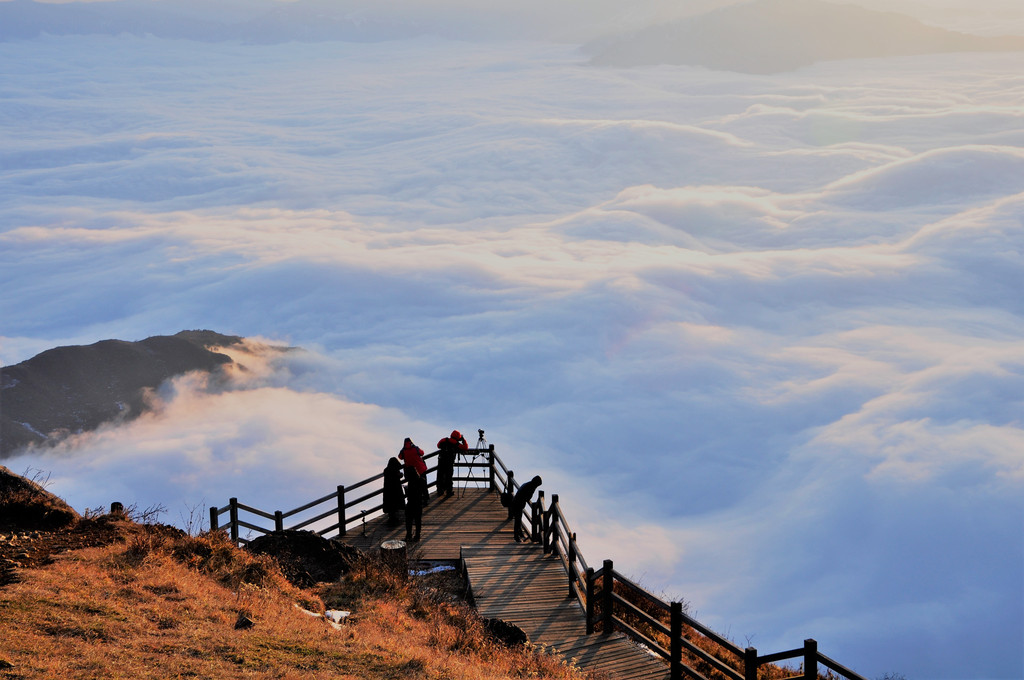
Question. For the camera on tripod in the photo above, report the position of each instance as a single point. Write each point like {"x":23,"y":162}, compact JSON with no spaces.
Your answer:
{"x":469,"y":460}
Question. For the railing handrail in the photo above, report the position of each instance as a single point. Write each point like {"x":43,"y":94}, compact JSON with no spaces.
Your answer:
{"x":839,"y":668}
{"x":307,"y":506}
{"x":550,"y":525}
{"x":559,"y":537}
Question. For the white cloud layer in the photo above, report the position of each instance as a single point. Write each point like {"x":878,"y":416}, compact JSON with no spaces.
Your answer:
{"x":766,"y":330}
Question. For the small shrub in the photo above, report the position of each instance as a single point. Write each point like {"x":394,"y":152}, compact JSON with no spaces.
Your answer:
{"x":368,"y":577}
{"x":138,"y":548}
{"x":215,"y":555}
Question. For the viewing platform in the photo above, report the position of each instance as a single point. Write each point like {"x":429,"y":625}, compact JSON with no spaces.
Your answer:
{"x":473,"y":517}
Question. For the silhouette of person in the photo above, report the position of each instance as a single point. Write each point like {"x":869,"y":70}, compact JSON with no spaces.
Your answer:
{"x":448,"y":449}
{"x":413,"y":457}
{"x":394,"y":497}
{"x":519,"y":503}
{"x":414,"y":507}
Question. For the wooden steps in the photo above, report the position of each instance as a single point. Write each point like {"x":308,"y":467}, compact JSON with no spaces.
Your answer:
{"x":514,"y":582}
{"x":518,"y":583}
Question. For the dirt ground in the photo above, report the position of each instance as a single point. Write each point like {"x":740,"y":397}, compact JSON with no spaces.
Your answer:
{"x":26,"y":549}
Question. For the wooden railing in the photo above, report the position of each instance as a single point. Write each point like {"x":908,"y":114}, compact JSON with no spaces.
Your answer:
{"x":610,"y":600}
{"x":337,"y":512}
{"x":613,"y":602}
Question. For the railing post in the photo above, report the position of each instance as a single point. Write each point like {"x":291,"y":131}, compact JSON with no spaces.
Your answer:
{"x":750,"y":664}
{"x":590,"y":600}
{"x":553,"y":524}
{"x":233,"y":515}
{"x":606,"y":598}
{"x":810,"y":659}
{"x":571,"y":563}
{"x":341,"y":510}
{"x":537,"y":508}
{"x":214,"y":519}
{"x":278,"y":520}
{"x":545,"y":529}
{"x":490,"y":465}
{"x":509,"y":491}
{"x":676,"y":641}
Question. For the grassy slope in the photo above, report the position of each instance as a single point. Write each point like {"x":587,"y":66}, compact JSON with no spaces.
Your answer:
{"x":164,"y":606}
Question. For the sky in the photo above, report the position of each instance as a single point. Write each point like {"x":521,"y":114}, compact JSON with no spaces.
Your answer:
{"x":762,"y":334}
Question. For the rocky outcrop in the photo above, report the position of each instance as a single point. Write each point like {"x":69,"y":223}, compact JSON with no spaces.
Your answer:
{"x":508,"y":634}
{"x":305,"y":558}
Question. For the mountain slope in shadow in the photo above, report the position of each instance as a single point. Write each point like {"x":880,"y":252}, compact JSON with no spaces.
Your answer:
{"x":774,"y":36}
{"x":76,"y":389}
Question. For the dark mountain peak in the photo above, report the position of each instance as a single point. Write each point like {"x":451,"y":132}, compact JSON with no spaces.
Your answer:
{"x":207,"y":338}
{"x":77,"y":388}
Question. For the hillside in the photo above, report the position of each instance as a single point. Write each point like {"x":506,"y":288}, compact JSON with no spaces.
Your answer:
{"x":773,"y":36}
{"x":77,"y":388}
{"x":106,"y":596}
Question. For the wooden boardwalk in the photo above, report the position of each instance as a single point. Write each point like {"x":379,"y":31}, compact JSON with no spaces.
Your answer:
{"x":518,"y":583}
{"x":515,"y":582}
{"x":471,"y":517}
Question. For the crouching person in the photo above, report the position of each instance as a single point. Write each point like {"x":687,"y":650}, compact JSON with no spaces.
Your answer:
{"x":519,"y":503}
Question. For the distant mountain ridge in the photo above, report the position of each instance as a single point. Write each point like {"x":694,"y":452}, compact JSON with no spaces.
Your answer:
{"x":774,"y":36}
{"x":77,"y":388}
{"x":747,"y":37}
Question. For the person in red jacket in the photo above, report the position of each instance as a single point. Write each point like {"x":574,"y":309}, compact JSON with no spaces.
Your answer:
{"x":412,"y":456}
{"x":414,"y":508}
{"x":448,"y":449}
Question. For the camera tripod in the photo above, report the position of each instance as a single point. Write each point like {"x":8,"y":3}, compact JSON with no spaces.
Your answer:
{"x":469,"y":459}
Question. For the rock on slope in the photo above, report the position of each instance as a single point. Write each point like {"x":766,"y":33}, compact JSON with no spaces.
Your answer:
{"x":75,"y":389}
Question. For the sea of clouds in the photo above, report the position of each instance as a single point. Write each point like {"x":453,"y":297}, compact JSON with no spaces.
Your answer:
{"x":761,"y":334}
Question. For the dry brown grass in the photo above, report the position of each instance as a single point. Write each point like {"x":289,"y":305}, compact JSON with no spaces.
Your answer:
{"x":165,"y":606}
{"x":25,"y":504}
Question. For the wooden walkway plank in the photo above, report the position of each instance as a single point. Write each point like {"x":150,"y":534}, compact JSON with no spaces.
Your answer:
{"x":514,"y":582}
{"x":519,"y":584}
{"x":471,"y":517}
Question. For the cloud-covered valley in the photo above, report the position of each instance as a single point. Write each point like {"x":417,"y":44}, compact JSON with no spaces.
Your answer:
{"x":766,"y":330}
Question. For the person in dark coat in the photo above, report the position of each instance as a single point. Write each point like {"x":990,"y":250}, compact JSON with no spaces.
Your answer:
{"x":414,"y":507}
{"x":519,"y":503}
{"x":412,"y":455}
{"x":448,"y":450}
{"x":394,"y":497}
